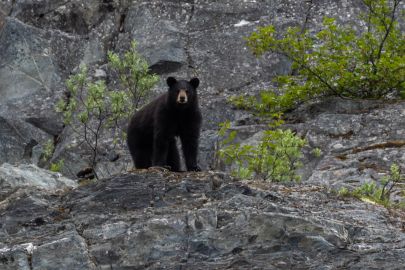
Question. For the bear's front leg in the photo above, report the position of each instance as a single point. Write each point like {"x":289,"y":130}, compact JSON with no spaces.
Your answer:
{"x":189,"y":143}
{"x":160,"y":144}
{"x":160,"y":150}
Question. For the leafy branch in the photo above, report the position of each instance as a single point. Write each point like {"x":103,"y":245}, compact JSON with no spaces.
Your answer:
{"x":91,"y":110}
{"x":337,"y":60}
{"x":275,"y":157}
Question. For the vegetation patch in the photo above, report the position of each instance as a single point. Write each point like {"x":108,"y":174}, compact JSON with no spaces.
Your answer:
{"x":336,"y":61}
{"x":94,"y":112}
{"x":275,"y":157}
{"x":339,"y":60}
{"x":380,"y":194}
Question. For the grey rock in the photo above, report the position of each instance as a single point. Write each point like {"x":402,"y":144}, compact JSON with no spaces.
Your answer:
{"x":25,"y":57}
{"x":33,"y":62}
{"x":16,"y":257}
{"x":31,"y":85}
{"x":5,"y":8}
{"x":37,"y":154}
{"x":32,"y":176}
{"x":76,"y":17}
{"x":153,"y":219}
{"x":100,"y":74}
{"x":17,"y":140}
{"x":52,"y":254}
{"x":159,"y":29}
{"x":50,"y":125}
{"x":359,"y":140}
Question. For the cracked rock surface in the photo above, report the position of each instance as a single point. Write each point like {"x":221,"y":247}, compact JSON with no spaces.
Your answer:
{"x":42,"y":42}
{"x":359,"y":140}
{"x":160,"y":220}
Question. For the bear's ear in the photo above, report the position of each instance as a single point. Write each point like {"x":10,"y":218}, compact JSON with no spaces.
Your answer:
{"x":195,"y":82}
{"x":171,"y":81}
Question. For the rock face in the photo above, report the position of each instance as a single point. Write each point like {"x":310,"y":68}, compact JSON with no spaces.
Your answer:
{"x":359,"y":139}
{"x":158,"y":220}
{"x":43,"y":41}
{"x":32,"y":176}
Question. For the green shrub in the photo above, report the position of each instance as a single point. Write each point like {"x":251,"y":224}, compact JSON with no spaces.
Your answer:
{"x":57,"y":167}
{"x":94,"y":112}
{"x":344,"y":192}
{"x":48,"y":149}
{"x":317,"y":152}
{"x":134,"y":74}
{"x":380,"y":194}
{"x":337,"y":61}
{"x":389,"y":182}
{"x":276,"y":156}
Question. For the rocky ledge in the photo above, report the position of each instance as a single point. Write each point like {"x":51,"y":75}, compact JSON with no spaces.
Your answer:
{"x":160,"y":220}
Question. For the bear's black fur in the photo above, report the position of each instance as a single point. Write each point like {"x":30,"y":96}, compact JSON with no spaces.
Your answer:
{"x":152,"y":130}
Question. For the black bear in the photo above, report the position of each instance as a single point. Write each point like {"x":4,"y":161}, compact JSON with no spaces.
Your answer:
{"x":152,"y":130}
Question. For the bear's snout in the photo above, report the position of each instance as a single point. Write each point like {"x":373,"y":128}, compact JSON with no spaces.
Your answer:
{"x":182,"y":97}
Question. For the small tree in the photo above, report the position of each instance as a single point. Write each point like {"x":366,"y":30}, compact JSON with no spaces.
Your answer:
{"x":338,"y":60}
{"x":389,"y":182}
{"x":276,"y":156}
{"x":92,"y":110}
{"x":134,"y":74}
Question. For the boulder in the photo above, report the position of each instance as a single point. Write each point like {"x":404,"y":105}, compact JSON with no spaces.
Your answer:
{"x":18,"y":140}
{"x":24,"y":176}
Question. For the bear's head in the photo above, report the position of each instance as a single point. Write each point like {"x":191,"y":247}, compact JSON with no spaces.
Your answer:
{"x":181,"y":92}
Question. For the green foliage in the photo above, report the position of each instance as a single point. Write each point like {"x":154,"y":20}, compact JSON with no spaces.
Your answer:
{"x":380,"y":194}
{"x":57,"y":167}
{"x":317,"y":152}
{"x":276,"y":156}
{"x":338,"y":60}
{"x":134,"y":74}
{"x":267,"y":104}
{"x":344,"y":192}
{"x":389,"y":182}
{"x":94,"y":112}
{"x":48,"y":149}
